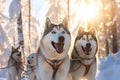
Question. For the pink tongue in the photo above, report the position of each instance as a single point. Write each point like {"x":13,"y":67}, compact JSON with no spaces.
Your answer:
{"x":87,"y":51}
{"x":59,"y":47}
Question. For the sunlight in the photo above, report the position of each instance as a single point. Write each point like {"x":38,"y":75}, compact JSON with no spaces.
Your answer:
{"x":83,"y":79}
{"x":87,"y":12}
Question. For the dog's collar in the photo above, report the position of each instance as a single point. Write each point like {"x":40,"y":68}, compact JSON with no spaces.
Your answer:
{"x":81,"y":62}
{"x":55,"y":64}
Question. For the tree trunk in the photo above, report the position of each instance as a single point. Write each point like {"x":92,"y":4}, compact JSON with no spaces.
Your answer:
{"x":25,"y":23}
{"x":113,"y":11}
{"x":114,"y":40}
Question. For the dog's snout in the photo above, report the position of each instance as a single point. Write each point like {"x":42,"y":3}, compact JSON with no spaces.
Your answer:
{"x":61,"y":38}
{"x":28,"y":61}
{"x":88,"y":45}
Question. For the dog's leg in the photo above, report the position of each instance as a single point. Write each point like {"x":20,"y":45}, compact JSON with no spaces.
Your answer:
{"x":11,"y":73}
{"x":45,"y":71}
{"x":9,"y":76}
{"x":92,"y":72}
{"x":63,"y":70}
{"x":69,"y":77}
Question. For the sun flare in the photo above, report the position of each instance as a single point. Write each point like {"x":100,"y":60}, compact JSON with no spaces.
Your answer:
{"x":87,"y":12}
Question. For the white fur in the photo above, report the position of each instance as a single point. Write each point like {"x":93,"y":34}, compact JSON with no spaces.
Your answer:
{"x":32,"y":66}
{"x":47,"y":51}
{"x":45,"y":71}
{"x":14,"y":70}
{"x":79,"y":73}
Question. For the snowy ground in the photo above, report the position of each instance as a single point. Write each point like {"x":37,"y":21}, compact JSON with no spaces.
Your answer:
{"x":108,"y":68}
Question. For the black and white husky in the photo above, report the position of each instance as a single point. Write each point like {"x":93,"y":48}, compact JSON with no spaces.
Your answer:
{"x":15,"y":64}
{"x":83,"y":63}
{"x":31,"y":66}
{"x":52,"y":59}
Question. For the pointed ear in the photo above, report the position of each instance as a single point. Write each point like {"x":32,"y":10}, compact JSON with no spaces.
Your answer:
{"x":47,"y":23}
{"x":18,"y":47}
{"x":65,"y":23}
{"x":13,"y":49}
{"x":93,"y":31}
{"x":80,"y":31}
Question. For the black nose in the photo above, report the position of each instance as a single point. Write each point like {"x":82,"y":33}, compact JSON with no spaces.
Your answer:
{"x":88,"y":45}
{"x":28,"y":62}
{"x":61,"y":38}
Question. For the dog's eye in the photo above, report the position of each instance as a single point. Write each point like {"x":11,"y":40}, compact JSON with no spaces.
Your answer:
{"x":53,"y":32}
{"x":91,"y":39}
{"x":18,"y":54}
{"x":63,"y":32}
{"x":83,"y":38}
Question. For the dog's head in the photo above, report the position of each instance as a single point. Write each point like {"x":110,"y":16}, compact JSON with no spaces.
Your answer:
{"x":16,"y":54}
{"x":86,"y":43}
{"x":31,"y":59}
{"x":56,"y":39}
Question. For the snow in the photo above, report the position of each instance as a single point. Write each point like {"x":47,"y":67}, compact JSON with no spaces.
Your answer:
{"x":14,"y":9}
{"x":109,"y":67}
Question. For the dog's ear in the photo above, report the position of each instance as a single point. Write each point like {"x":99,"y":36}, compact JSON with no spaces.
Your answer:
{"x":93,"y":31}
{"x":13,"y":49}
{"x":47,"y":23}
{"x":65,"y":23}
{"x":18,"y":47}
{"x":81,"y":31}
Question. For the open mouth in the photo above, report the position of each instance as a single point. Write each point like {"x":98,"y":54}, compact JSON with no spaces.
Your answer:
{"x":58,"y":46}
{"x":87,"y":50}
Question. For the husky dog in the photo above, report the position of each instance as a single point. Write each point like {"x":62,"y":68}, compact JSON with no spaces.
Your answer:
{"x":83,"y":63}
{"x":31,"y":60}
{"x":52,"y":59}
{"x":15,"y":64}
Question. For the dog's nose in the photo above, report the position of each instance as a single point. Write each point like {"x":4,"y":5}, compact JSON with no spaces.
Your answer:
{"x":88,"y":45}
{"x":61,"y":38}
{"x":28,"y":62}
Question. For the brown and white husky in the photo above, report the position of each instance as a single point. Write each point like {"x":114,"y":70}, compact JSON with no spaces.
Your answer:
{"x":83,"y":63}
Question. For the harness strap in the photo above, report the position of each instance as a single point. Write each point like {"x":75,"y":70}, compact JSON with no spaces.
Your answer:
{"x":72,"y":70}
{"x":7,"y":66}
{"x":87,"y":67}
{"x":55,"y":64}
{"x":11,"y":64}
